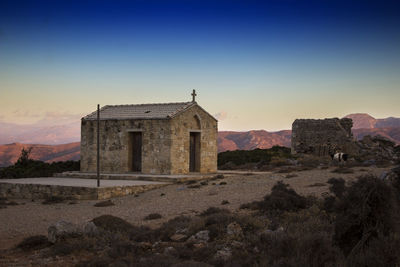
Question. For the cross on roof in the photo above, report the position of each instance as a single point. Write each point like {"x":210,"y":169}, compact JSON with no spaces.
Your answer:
{"x":194,"y":95}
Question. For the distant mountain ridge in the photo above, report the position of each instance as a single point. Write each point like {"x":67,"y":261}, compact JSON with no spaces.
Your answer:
{"x":363,"y":124}
{"x":10,"y":153}
{"x":366,"y":121}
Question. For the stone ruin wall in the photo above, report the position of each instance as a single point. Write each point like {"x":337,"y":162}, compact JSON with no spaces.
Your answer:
{"x":322,"y":137}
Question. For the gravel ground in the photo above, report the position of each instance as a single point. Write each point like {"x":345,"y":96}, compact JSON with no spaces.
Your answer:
{"x":33,"y":218}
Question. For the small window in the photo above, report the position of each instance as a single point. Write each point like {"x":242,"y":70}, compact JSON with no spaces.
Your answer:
{"x":147,"y":111}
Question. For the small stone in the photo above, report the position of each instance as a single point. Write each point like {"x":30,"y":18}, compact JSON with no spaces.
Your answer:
{"x":237,"y":244}
{"x":223,"y":254}
{"x":199,"y":245}
{"x":90,"y":229}
{"x":170,"y":251}
{"x":234,"y":231}
{"x":62,"y":229}
{"x":178,"y":237}
{"x":202,"y":236}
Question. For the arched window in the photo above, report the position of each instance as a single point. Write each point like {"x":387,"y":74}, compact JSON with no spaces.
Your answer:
{"x":198,"y":121}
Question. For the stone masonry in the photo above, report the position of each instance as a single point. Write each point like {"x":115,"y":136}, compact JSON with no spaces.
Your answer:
{"x":165,"y":133}
{"x":322,"y":137}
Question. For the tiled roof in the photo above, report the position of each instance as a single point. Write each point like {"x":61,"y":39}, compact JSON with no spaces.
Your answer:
{"x":142,"y":111}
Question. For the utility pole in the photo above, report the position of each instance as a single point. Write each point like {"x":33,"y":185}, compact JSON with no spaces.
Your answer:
{"x":98,"y":145}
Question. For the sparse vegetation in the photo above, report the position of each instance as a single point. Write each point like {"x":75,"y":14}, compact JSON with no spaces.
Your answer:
{"x":25,"y":167}
{"x":356,"y":225}
{"x":276,"y":156}
{"x":106,"y":203}
{"x":53,"y":200}
{"x":153,"y":216}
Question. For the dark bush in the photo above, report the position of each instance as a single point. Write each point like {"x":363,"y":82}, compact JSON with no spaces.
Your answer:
{"x":366,"y":211}
{"x":53,"y":200}
{"x":241,"y":157}
{"x":113,"y":224}
{"x":34,"y":242}
{"x":282,"y":198}
{"x":337,"y":186}
{"x":343,"y":170}
{"x":153,"y":216}
{"x":213,"y":210}
{"x":106,"y":203}
{"x":28,"y":168}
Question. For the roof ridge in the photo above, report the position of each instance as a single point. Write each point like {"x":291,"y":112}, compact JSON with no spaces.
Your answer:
{"x":146,"y":104}
{"x":188,"y":104}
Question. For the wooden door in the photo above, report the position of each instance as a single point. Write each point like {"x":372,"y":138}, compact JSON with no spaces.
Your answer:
{"x":137,"y":152}
{"x":192,"y":153}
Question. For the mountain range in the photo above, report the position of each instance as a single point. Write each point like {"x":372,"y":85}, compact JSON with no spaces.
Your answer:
{"x":363,"y":124}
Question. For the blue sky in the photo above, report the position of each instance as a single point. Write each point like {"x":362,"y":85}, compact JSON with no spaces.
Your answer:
{"x":254,"y":64}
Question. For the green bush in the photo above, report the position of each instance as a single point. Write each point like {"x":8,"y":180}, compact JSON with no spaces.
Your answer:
{"x":367,"y":210}
{"x":29,"y":168}
{"x":261,"y":156}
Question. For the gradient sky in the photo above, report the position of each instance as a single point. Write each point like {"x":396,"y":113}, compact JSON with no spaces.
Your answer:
{"x":254,"y":64}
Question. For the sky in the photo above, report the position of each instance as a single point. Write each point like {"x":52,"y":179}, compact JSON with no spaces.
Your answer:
{"x":254,"y":64}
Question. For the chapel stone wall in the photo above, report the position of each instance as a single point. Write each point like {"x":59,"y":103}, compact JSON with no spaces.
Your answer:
{"x":197,"y":120}
{"x":115,"y":149}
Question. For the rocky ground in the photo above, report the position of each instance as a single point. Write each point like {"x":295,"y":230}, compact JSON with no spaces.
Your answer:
{"x":33,"y":218}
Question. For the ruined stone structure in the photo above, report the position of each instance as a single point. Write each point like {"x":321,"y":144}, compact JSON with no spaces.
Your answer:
{"x":322,"y":137}
{"x":172,"y":138}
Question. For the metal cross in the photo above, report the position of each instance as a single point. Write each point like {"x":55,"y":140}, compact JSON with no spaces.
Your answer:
{"x":194,"y":95}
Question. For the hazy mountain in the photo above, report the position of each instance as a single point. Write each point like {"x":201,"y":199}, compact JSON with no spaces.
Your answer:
{"x":228,"y":140}
{"x":48,"y":153}
{"x":36,"y":134}
{"x":366,"y":121}
{"x":364,"y":124}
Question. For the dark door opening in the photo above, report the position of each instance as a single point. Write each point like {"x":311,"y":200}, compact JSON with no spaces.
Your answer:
{"x":135,"y":151}
{"x":194,"y":153}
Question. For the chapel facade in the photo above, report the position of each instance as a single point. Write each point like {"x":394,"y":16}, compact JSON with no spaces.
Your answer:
{"x":168,"y":138}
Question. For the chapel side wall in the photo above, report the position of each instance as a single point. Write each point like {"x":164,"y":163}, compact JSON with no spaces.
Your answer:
{"x":180,"y":131}
{"x":115,"y":145}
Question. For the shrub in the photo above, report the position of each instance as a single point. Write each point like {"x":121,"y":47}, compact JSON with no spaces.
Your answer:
{"x":282,"y":198}
{"x":264,"y":156}
{"x":153,"y":216}
{"x":366,"y":211}
{"x":28,"y":168}
{"x":106,"y":203}
{"x":34,"y":242}
{"x":113,"y":224}
{"x":213,"y":210}
{"x":53,"y":200}
{"x":343,"y":170}
{"x":337,"y":186}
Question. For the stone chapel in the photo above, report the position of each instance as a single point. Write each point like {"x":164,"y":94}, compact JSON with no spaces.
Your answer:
{"x":166,"y":138}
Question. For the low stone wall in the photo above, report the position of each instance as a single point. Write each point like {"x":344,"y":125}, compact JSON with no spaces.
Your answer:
{"x":36,"y":191}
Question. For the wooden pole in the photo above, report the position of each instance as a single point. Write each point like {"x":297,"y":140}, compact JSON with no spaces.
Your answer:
{"x":98,"y":145}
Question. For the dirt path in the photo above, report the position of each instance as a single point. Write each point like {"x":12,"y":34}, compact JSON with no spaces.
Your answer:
{"x":33,"y":218}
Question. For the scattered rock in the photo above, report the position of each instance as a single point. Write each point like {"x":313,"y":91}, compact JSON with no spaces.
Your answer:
{"x":106,"y":203}
{"x":237,"y":244}
{"x":224,"y":202}
{"x":222,"y":183}
{"x":199,"y":245}
{"x":178,"y":237}
{"x":170,"y":251}
{"x":153,"y":216}
{"x":223,"y":254}
{"x":61,"y":230}
{"x":90,"y":229}
{"x":234,"y":231}
{"x":202,"y":236}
